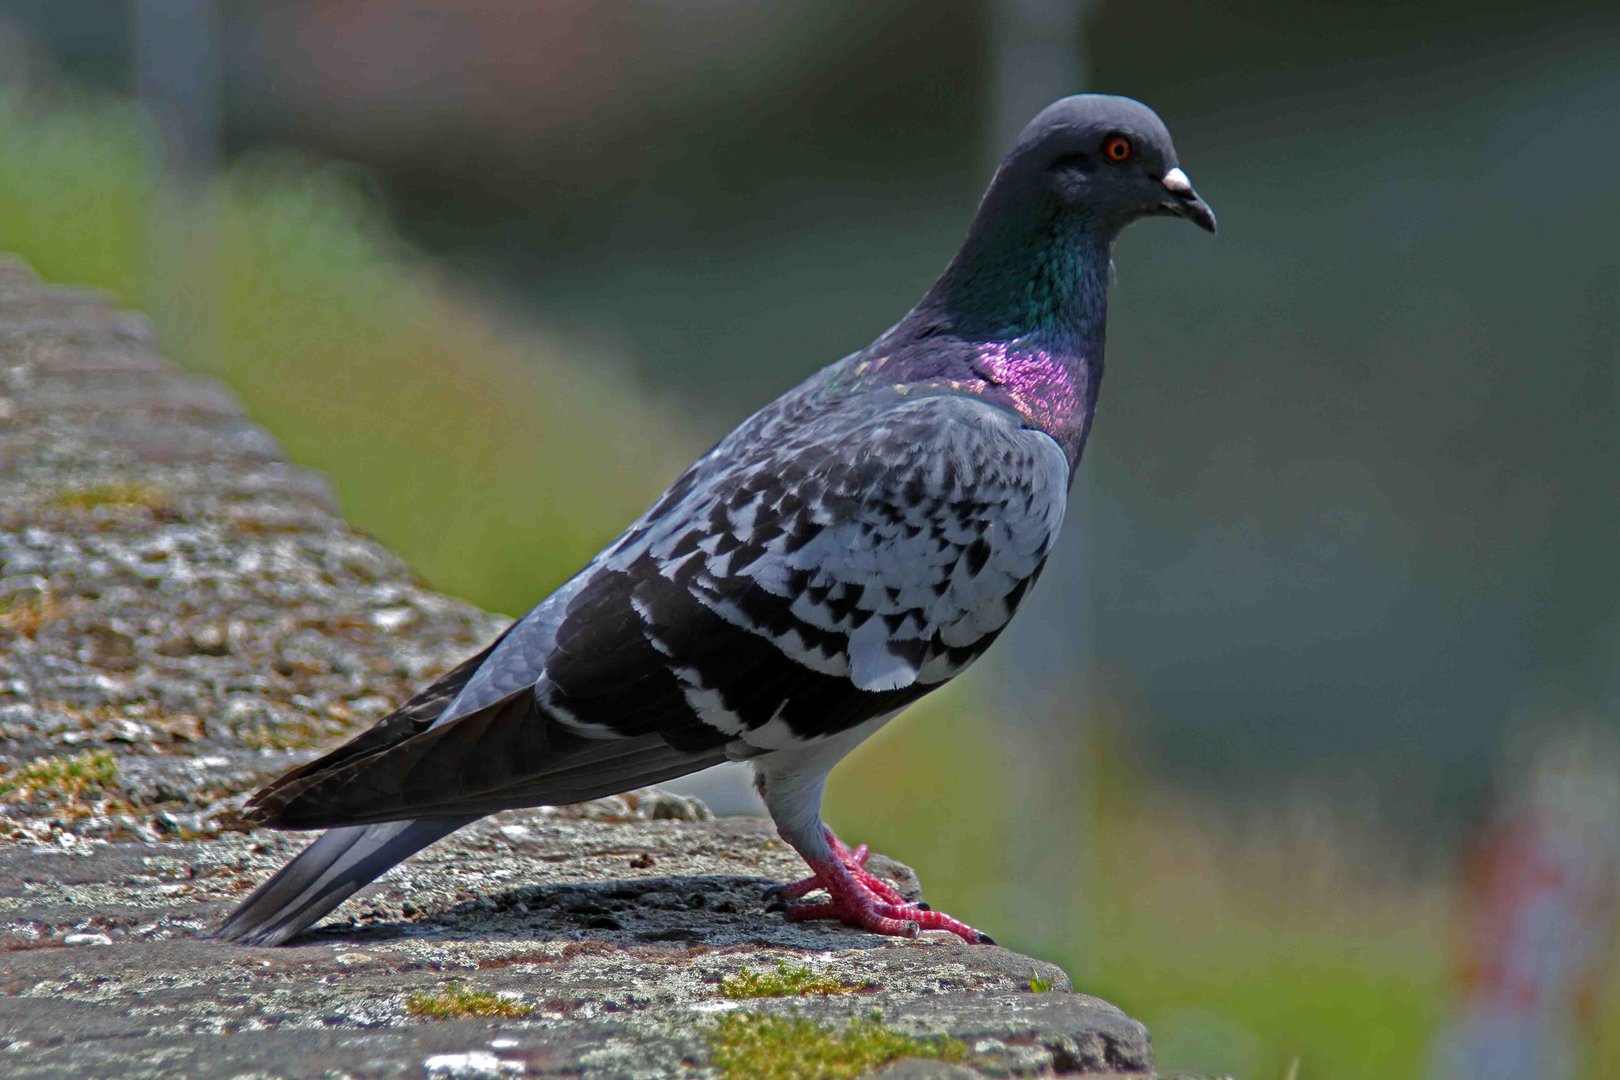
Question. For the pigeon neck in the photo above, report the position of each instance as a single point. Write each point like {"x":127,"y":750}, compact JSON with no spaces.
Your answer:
{"x":1025,"y":331}
{"x":1046,"y":281}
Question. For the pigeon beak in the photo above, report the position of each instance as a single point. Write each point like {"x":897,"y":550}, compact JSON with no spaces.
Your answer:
{"x":1184,"y":201}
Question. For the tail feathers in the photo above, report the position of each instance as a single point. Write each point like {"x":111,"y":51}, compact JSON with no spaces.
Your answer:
{"x":411,"y":718}
{"x":335,"y":867}
{"x":508,"y":754}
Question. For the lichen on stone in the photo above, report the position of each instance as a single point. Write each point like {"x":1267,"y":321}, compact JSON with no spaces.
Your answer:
{"x":787,"y":980}
{"x":93,"y":496}
{"x":758,"y":1046}
{"x":289,"y":732}
{"x":26,"y":614}
{"x":457,"y":1002}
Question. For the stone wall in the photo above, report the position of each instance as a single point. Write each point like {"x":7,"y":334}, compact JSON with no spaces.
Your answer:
{"x":183,"y":614}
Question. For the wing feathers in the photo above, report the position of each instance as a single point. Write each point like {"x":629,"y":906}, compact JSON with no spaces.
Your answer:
{"x":502,"y":756}
{"x":774,"y":597}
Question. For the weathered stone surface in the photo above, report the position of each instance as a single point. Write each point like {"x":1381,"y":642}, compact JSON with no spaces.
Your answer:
{"x":172,"y":591}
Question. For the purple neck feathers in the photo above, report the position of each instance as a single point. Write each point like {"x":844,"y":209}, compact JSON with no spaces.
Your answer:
{"x":1035,"y":348}
{"x":1053,"y":391}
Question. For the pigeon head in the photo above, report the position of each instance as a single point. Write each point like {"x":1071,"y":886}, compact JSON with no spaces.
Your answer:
{"x":1107,"y":160}
{"x":1038,"y":251}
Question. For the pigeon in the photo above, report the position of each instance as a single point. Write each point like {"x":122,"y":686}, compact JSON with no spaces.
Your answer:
{"x":850,"y":547}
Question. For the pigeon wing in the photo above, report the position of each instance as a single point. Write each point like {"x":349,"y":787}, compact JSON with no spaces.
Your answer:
{"x":826,"y":576}
{"x":786,"y":589}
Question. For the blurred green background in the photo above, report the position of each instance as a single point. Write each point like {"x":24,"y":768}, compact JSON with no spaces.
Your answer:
{"x":1345,"y":533}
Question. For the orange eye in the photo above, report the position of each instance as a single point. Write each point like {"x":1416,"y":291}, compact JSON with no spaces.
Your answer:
{"x":1118,"y":148}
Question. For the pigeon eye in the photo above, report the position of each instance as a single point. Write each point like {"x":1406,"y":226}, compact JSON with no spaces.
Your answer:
{"x":1118,"y":148}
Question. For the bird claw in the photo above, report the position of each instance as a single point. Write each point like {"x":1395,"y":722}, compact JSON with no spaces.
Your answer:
{"x":854,"y":860}
{"x":893,"y":920}
{"x":859,"y":898}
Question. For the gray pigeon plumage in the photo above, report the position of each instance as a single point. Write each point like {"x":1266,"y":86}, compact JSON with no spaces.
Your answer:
{"x":855,"y":544}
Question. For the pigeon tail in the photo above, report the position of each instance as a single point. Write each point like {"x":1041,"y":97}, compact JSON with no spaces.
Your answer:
{"x":328,"y":872}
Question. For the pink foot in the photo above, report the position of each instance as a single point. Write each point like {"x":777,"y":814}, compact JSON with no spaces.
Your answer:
{"x":862,"y":899}
{"x":854,"y":861}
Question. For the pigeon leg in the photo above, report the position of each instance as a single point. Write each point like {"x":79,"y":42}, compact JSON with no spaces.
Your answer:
{"x":855,"y":861}
{"x":859,"y":898}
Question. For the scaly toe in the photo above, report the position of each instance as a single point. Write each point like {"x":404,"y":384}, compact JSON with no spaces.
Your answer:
{"x":859,"y":898}
{"x":792,"y":890}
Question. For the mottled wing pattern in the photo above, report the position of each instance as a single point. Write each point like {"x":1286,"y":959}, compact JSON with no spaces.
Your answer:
{"x":813,"y":577}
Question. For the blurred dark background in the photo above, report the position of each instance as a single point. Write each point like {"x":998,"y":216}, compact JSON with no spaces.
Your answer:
{"x":1349,"y":518}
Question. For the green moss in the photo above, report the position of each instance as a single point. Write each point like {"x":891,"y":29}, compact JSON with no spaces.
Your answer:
{"x":456,"y":1002}
{"x":754,"y":1046}
{"x":61,"y":777}
{"x":786,"y":981}
{"x":97,"y":495}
